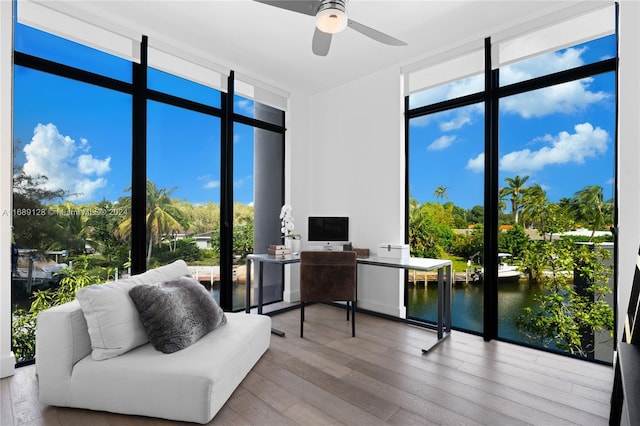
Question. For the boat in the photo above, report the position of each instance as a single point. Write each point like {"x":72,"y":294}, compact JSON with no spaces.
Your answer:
{"x":506,"y":272}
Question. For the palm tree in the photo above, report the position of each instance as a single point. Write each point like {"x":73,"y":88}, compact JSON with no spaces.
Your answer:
{"x":441,"y":192}
{"x":514,"y":192}
{"x":591,"y":207}
{"x":533,"y":203}
{"x":161,"y":217}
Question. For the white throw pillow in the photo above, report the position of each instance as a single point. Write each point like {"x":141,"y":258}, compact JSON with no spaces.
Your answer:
{"x":112,"y":318}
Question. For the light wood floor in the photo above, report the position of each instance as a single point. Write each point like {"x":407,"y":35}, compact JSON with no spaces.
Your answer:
{"x":378,"y":378}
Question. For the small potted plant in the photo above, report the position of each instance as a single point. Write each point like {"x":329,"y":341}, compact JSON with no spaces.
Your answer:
{"x":291,"y":239}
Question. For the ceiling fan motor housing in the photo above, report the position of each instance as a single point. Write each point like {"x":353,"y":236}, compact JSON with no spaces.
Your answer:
{"x":331,"y":16}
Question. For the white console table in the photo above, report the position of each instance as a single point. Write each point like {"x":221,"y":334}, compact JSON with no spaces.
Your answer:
{"x":443,"y":326}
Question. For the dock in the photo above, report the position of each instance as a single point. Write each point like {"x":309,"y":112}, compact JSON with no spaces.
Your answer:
{"x":421,"y":279}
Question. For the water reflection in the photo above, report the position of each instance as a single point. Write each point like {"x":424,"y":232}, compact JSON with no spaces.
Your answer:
{"x":467,"y":305}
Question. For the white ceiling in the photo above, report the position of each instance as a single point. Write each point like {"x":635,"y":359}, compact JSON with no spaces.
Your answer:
{"x":274,"y":45}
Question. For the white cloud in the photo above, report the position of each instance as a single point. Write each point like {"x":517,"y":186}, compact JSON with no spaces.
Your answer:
{"x":476,"y":165}
{"x":442,"y":142}
{"x":212,"y":184}
{"x":564,"y":98}
{"x":209,"y":182}
{"x":241,"y":181}
{"x":460,"y":119}
{"x":87,"y":165}
{"x":562,"y":148}
{"x":54,"y":155}
{"x":541,"y":65}
{"x":244,"y":106}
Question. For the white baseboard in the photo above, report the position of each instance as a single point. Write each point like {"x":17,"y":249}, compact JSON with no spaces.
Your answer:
{"x":8,"y":365}
{"x":291,"y":296}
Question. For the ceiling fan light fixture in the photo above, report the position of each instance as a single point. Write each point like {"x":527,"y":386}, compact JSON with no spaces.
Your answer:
{"x":332,"y":16}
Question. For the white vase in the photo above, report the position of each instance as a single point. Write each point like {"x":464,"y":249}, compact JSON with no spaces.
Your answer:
{"x":293,"y":244}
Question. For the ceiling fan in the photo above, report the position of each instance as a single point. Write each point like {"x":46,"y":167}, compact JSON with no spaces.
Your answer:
{"x":331,"y":18}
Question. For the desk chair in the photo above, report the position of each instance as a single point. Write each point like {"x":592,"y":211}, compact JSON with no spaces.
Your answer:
{"x":328,"y":276}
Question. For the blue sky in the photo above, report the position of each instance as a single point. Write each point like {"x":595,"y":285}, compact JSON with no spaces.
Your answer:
{"x":561,"y":137}
{"x":79,"y":136}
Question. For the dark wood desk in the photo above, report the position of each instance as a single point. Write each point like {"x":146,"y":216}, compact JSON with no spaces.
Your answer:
{"x":443,"y":326}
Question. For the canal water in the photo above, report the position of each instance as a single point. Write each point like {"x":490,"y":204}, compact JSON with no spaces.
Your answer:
{"x":467,"y":305}
{"x":467,"y":308}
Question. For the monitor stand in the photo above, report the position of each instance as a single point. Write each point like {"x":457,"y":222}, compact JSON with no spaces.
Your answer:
{"x":329,"y":246}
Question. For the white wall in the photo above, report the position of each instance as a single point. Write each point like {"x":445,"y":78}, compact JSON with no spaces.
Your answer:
{"x":7,"y":360}
{"x":297,"y":139}
{"x":349,"y":161}
{"x":629,"y":152}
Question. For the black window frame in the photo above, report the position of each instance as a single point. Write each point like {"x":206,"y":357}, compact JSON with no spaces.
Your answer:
{"x":140,"y":94}
{"x":491,"y":96}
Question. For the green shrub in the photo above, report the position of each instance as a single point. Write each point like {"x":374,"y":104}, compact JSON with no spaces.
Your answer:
{"x":186,"y":250}
{"x":23,"y":326}
{"x":566,"y":315}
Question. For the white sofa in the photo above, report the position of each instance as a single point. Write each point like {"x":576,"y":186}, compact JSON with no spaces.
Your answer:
{"x":191,"y":384}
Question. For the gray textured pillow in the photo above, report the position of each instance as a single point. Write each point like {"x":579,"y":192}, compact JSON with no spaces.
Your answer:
{"x":175,"y":314}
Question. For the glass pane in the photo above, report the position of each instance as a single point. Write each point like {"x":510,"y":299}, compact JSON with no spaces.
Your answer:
{"x":560,"y":60}
{"x":556,"y":171}
{"x":243,"y":210}
{"x":72,"y":165}
{"x":250,"y":108}
{"x":258,"y":183}
{"x":183,"y":191}
{"x":446,"y":214}
{"x":48,"y":46}
{"x":258,"y":194}
{"x":177,"y":86}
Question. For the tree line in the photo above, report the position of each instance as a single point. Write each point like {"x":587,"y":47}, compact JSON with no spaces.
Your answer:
{"x":432,"y":224}
{"x":104,"y":227}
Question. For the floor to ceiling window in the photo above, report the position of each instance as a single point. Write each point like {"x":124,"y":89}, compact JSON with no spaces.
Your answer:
{"x":446,"y":211}
{"x":76,"y":171}
{"x":547,"y":148}
{"x":556,"y":178}
{"x":72,"y":166}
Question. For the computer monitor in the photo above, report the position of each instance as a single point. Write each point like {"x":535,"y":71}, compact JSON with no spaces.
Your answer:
{"x":328,"y":229}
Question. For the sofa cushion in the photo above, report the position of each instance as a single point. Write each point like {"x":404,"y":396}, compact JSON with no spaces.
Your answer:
{"x":176,"y":313}
{"x":112,"y":319}
{"x":190,"y":385}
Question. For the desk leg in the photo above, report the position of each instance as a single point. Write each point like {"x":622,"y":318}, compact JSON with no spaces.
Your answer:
{"x":260,"y":284}
{"x":447,"y":301}
{"x":441,"y":297}
{"x":247,"y":299}
{"x":260,"y":298}
{"x":444,"y":307}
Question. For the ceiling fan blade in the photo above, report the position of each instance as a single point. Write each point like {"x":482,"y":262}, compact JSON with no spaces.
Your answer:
{"x":375,"y":34}
{"x":321,"y":43}
{"x":308,"y":7}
